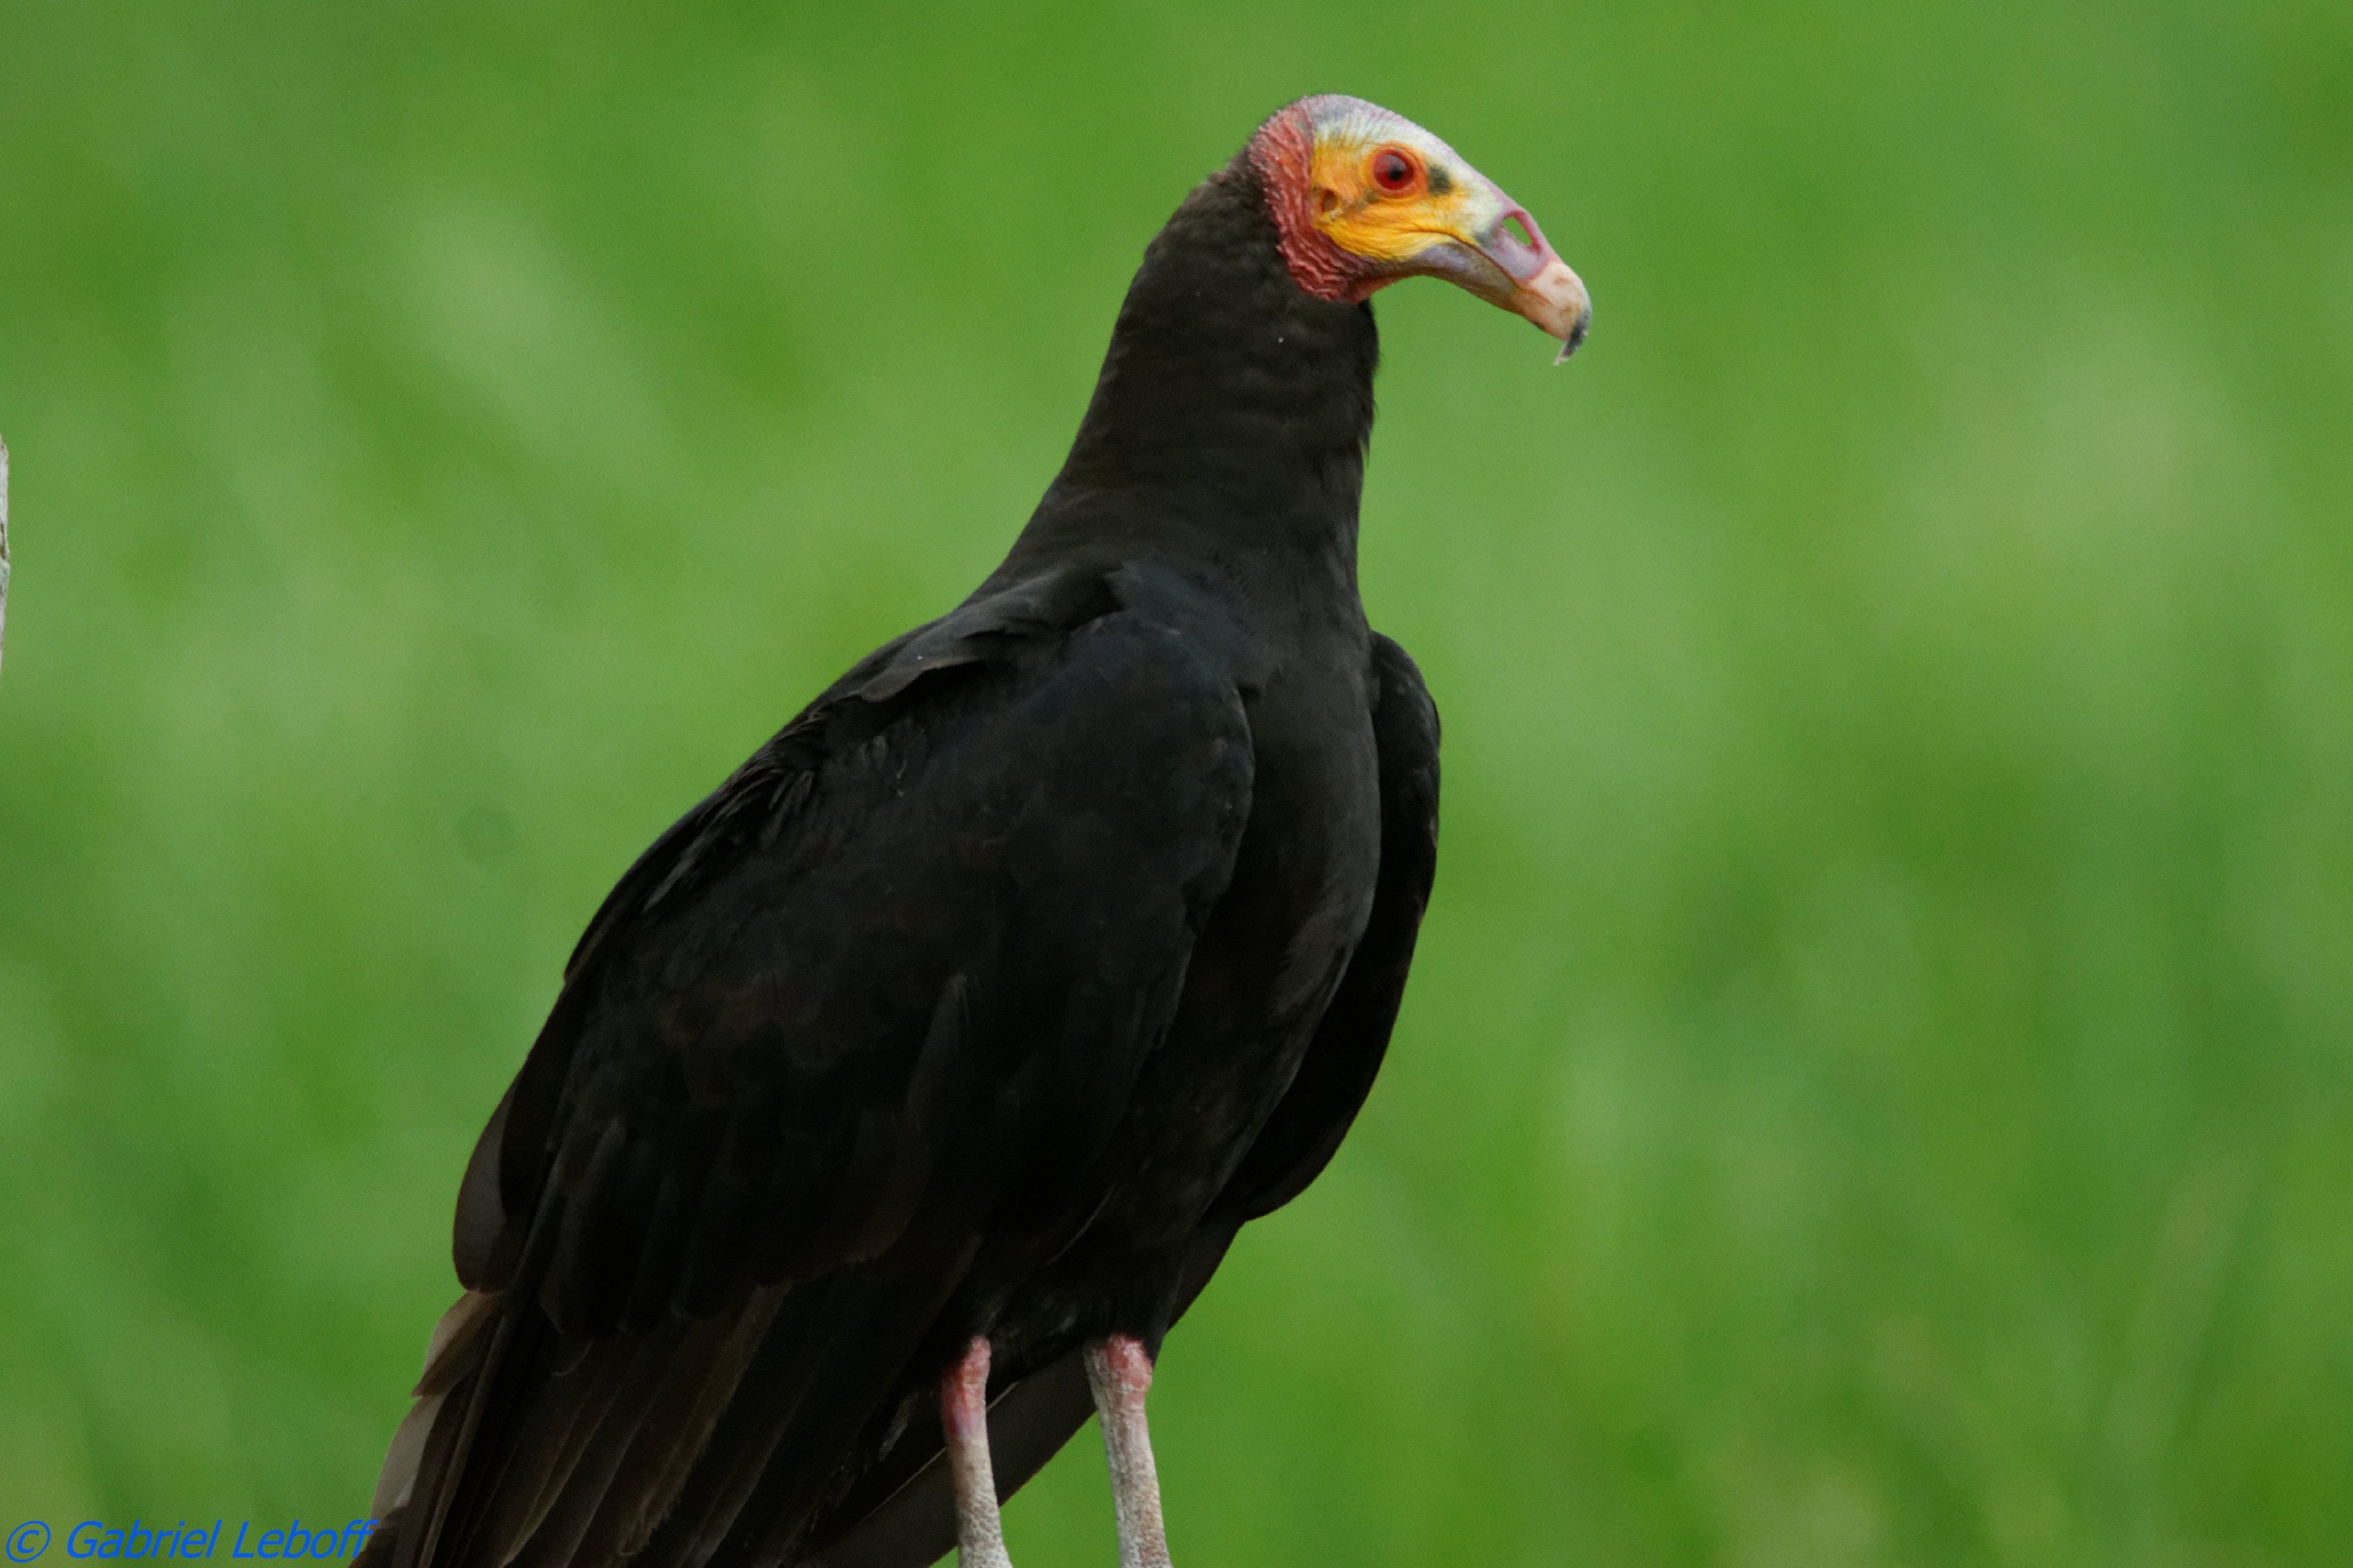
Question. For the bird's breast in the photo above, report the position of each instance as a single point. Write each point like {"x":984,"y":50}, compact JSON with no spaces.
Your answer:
{"x":1308,"y":863}
{"x":1270,"y":955}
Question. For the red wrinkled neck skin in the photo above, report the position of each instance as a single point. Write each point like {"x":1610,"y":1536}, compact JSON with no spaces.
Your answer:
{"x":1283,"y":153}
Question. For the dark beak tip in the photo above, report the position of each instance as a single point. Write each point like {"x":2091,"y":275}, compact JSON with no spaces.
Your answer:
{"x":1576,"y":339}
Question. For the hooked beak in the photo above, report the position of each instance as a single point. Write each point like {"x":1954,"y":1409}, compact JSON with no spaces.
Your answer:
{"x":1524,"y":275}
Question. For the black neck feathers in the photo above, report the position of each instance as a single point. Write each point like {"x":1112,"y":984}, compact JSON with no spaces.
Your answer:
{"x":1230,"y":398}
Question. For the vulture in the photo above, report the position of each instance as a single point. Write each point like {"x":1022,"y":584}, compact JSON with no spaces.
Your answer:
{"x":903,"y":1093}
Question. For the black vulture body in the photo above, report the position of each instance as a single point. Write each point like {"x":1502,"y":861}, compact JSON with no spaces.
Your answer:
{"x":1057,"y":939}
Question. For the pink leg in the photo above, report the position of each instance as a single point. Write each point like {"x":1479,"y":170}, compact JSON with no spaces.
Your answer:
{"x":1120,"y":1375}
{"x":963,"y":1421}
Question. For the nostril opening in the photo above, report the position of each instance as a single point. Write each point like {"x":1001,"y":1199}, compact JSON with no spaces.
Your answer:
{"x":1518,"y":230}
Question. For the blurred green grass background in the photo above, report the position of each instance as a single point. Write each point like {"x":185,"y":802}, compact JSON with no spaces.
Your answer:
{"x":1878,"y":1087}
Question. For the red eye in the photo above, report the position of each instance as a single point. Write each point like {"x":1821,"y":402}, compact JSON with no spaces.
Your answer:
{"x":1395,"y":172}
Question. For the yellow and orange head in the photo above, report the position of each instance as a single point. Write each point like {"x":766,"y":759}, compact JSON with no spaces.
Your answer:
{"x":1362,"y":197}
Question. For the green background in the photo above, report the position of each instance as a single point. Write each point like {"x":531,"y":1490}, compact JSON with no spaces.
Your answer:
{"x":1878,"y":1088}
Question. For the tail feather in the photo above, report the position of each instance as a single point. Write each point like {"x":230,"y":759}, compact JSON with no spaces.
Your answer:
{"x":682,"y":1445}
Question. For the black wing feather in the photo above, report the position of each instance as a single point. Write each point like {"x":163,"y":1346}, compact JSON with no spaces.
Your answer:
{"x":903,"y":1514}
{"x":885,"y":976}
{"x":1316,"y":1113}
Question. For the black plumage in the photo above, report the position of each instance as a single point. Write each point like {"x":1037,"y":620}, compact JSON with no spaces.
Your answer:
{"x":1058,"y":939}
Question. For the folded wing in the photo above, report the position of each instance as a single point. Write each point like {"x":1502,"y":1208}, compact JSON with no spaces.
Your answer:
{"x":890,"y":982}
